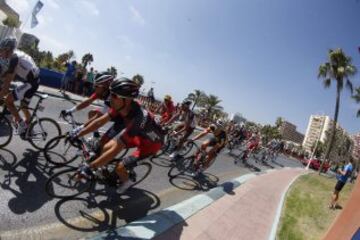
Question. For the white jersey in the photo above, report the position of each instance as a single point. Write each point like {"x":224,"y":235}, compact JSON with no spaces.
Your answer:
{"x":23,"y":66}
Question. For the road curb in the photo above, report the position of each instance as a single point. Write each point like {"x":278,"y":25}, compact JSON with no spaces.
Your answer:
{"x":159,"y":222}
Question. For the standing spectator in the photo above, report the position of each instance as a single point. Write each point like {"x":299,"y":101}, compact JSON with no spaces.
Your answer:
{"x":89,"y":83}
{"x":342,"y":177}
{"x":151,"y":97}
{"x":68,"y":76}
{"x":80,"y":73}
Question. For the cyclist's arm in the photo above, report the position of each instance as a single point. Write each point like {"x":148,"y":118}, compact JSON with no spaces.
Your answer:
{"x":9,"y":76}
{"x":84,"y":104}
{"x":200,"y":135}
{"x":172,"y":119}
{"x":96,"y":124}
{"x":6,"y":84}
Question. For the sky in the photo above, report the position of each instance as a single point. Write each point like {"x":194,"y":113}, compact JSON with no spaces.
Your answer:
{"x":260,"y":57}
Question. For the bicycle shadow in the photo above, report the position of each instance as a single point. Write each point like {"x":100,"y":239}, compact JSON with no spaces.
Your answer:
{"x":7,"y":159}
{"x":180,"y":178}
{"x":26,"y":180}
{"x":105,"y":209}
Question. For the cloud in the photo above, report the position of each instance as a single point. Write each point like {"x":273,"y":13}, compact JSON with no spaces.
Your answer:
{"x":89,"y":7}
{"x":136,"y":16}
{"x":126,"y":42}
{"x":48,"y":42}
{"x":52,"y":4}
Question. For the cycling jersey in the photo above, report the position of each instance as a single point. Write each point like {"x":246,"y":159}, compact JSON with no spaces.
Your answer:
{"x":219,"y":138}
{"x":26,"y":71}
{"x":105,"y":98}
{"x":137,"y":123}
{"x":24,"y":67}
{"x":169,"y":110}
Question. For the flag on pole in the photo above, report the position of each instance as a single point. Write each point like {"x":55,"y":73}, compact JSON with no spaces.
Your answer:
{"x":36,"y":10}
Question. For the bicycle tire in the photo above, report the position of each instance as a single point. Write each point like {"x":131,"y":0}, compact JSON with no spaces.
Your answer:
{"x":54,"y":179}
{"x":46,"y":133}
{"x":149,"y":166}
{"x":164,"y":149}
{"x":189,"y":147}
{"x":50,"y":156}
{"x":7,"y":130}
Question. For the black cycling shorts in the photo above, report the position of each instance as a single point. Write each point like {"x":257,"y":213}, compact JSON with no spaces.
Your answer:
{"x":339,"y":185}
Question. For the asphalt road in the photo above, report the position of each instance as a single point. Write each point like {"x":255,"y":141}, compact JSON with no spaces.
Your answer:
{"x":24,"y":204}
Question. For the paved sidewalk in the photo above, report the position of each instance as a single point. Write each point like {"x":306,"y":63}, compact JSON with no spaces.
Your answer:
{"x":250,"y":212}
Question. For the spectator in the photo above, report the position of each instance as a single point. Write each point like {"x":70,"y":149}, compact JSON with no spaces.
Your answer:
{"x":151,"y":97}
{"x":342,"y":177}
{"x":89,"y":83}
{"x":68,"y":76}
{"x":80,"y":73}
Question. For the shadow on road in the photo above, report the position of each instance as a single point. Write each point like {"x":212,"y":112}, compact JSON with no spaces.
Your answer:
{"x":104,"y":210}
{"x":181,"y":178}
{"x":7,"y":159}
{"x":26,"y":180}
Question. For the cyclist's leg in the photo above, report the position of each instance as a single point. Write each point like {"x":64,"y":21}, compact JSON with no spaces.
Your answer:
{"x":186,"y":135}
{"x":108,"y":135}
{"x":203,"y":147}
{"x":27,"y":99}
{"x":145,"y":148}
{"x":16,"y":95}
{"x":109,"y":152}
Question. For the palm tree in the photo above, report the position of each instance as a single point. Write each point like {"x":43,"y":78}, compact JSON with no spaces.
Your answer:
{"x":113,"y":71}
{"x":212,"y":104}
{"x":279,"y":121}
{"x":87,"y":59}
{"x":197,"y":97}
{"x":138,"y":79}
{"x":356,"y":97}
{"x":338,"y":69}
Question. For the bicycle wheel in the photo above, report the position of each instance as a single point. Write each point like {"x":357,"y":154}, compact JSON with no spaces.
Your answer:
{"x":142,"y":170}
{"x":66,"y":184}
{"x":41,"y":131}
{"x":6,"y":131}
{"x":164,"y":149}
{"x":60,"y":151}
{"x":186,"y":149}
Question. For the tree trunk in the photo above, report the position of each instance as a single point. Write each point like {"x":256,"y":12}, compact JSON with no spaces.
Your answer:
{"x":333,"y":131}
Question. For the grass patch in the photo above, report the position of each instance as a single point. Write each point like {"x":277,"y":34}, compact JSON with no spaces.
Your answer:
{"x":306,"y":214}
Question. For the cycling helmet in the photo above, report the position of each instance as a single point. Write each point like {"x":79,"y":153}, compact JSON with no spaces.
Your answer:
{"x":8,"y":43}
{"x":124,"y":88}
{"x":103,"y":77}
{"x":186,"y":102}
{"x":212,"y":127}
{"x":167,"y":97}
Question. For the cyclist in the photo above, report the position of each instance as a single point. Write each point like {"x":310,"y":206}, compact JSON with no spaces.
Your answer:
{"x":186,"y":127}
{"x":101,"y":83}
{"x":217,"y":142}
{"x":166,"y":109}
{"x":139,"y":130}
{"x":17,"y":65}
{"x":252,"y":144}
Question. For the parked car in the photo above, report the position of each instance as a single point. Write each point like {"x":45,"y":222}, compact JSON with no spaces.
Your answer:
{"x":316,"y":163}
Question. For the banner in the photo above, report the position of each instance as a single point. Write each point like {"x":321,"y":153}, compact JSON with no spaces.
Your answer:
{"x":36,"y":10}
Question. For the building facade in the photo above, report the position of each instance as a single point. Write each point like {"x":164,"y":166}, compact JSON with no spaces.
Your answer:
{"x":289,"y":133}
{"x":316,"y":131}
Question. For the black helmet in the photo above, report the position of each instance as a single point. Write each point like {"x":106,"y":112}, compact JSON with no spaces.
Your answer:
{"x":125,"y":88}
{"x":186,"y":102}
{"x":9,"y":43}
{"x":103,"y":77}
